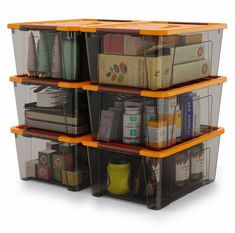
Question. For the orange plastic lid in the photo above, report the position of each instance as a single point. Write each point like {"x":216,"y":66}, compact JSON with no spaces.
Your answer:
{"x":136,"y":150}
{"x":22,"y":130}
{"x":64,"y":25}
{"x":49,"y":82}
{"x":166,"y":93}
{"x":155,"y":27}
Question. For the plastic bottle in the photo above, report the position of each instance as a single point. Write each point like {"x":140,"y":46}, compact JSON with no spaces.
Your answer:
{"x":70,"y":56}
{"x":132,"y":125}
{"x":118,"y":175}
{"x":182,"y":170}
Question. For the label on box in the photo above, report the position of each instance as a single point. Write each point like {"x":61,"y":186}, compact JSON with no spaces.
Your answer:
{"x":134,"y":71}
{"x":197,"y":161}
{"x":182,"y":170}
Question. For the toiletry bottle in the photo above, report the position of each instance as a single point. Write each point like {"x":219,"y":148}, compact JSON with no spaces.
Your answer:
{"x":70,"y":56}
{"x":182,"y":169}
{"x":56,"y":66}
{"x":196,"y":154}
{"x":132,"y":125}
{"x":153,"y":176}
{"x":32,"y":56}
{"x":118,"y":175}
{"x":44,"y":54}
{"x":149,"y":114}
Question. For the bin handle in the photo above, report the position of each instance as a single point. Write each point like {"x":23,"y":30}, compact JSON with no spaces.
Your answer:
{"x":119,"y":147}
{"x":41,"y":134}
{"x":121,"y":90}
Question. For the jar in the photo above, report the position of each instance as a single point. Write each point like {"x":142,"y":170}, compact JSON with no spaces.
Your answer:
{"x":118,"y":175}
{"x":182,"y":169}
{"x":132,"y":125}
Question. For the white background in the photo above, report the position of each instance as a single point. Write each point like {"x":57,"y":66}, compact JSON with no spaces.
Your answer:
{"x":35,"y":207}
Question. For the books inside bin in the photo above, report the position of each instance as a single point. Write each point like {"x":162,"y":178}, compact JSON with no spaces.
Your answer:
{"x":59,"y":163}
{"x":153,"y":122}
{"x":148,"y":180}
{"x":152,"y":62}
{"x":56,"y":110}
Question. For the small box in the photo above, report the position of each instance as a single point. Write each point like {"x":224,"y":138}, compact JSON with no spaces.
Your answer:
{"x":57,"y":174}
{"x":63,"y":162}
{"x":72,"y":178}
{"x":46,"y":157}
{"x":31,"y":168}
{"x":44,"y":172}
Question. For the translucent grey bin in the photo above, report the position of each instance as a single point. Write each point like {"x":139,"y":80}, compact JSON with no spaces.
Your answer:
{"x":152,"y":178}
{"x":52,"y":158}
{"x":153,"y":55}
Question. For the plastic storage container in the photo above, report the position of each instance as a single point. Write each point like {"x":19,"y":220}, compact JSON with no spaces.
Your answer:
{"x":153,"y":55}
{"x":51,"y":157}
{"x":153,"y":178}
{"x":55,"y":49}
{"x":156,"y":119}
{"x":52,"y":105}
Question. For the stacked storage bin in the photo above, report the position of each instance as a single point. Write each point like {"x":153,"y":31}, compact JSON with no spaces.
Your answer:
{"x":154,"y":103}
{"x":52,"y":66}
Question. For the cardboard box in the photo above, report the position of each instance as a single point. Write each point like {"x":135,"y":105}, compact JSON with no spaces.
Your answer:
{"x":157,"y":134}
{"x":126,"y":44}
{"x":63,"y":162}
{"x":31,"y":168}
{"x":190,"y":71}
{"x":44,"y":172}
{"x":72,"y":178}
{"x":45,"y":157}
{"x":135,"y":71}
{"x":191,"y":38}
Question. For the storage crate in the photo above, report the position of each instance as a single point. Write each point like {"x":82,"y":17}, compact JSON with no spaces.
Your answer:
{"x":157,"y":119}
{"x":52,"y":105}
{"x":153,"y":178}
{"x":54,"y":49}
{"x":153,"y":55}
{"x":52,"y":158}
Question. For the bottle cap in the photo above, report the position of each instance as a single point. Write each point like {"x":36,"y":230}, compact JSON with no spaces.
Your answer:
{"x":132,"y":110}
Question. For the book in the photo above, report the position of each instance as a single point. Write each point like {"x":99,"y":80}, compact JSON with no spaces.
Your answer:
{"x":134,"y":71}
{"x":78,"y":119}
{"x":196,"y":115}
{"x":190,"y":71}
{"x":189,"y":117}
{"x":49,"y":98}
{"x":58,"y":127}
{"x":182,"y":100}
{"x":117,"y":130}
{"x":106,"y":125}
